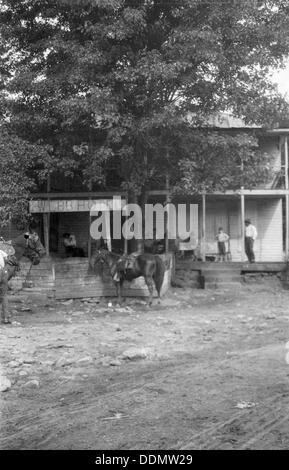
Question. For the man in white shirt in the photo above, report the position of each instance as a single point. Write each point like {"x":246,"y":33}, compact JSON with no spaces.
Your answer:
{"x":250,"y":237}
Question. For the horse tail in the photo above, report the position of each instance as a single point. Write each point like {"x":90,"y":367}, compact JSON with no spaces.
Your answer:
{"x":91,"y":264}
{"x":159,"y":274}
{"x":94,"y":267}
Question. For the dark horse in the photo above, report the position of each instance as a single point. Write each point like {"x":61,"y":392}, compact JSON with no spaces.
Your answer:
{"x":126,"y":268}
{"x":27,"y":245}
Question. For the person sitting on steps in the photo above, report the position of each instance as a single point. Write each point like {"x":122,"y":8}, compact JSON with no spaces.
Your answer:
{"x":71,"y":250}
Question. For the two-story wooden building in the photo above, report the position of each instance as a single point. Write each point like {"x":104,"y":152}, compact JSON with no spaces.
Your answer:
{"x":64,"y":206}
{"x":267,"y":205}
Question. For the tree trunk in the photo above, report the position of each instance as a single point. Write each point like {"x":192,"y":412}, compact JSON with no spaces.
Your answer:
{"x":142,"y":202}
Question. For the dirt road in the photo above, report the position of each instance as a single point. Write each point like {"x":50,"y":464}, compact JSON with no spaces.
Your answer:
{"x":203,"y":370}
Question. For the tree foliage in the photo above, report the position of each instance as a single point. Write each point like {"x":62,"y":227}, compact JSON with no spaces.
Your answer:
{"x":102,"y":81}
{"x":18,"y":161}
{"x":206,"y":168}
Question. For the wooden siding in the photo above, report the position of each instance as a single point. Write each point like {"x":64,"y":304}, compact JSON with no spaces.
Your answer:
{"x":265,"y":214}
{"x":226,"y":215}
{"x":72,"y":278}
{"x":269,"y":244}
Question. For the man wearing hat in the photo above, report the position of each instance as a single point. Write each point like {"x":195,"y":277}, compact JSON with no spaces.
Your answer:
{"x":250,"y":237}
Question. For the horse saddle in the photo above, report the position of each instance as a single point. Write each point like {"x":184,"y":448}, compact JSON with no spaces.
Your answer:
{"x":124,"y":264}
{"x":127,"y":262}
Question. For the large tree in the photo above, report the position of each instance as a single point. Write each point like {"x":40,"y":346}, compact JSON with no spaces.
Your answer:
{"x":110,"y":82}
{"x":18,"y":162}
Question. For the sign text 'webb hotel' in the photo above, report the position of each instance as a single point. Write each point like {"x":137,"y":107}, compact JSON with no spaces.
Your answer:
{"x":73,"y":205}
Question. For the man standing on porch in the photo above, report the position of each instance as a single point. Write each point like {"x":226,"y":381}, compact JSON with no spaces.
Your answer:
{"x":250,"y":237}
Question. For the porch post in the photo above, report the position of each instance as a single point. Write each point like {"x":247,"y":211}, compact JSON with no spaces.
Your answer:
{"x":89,"y":236}
{"x":286,"y":197}
{"x":125,"y":248}
{"x":46,"y":231}
{"x":242,"y":225}
{"x":168,"y":200}
{"x":46,"y":220}
{"x":89,"y":222}
{"x":204,"y":227}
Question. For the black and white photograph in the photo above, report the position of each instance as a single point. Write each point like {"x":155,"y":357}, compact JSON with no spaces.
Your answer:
{"x":144,"y":228}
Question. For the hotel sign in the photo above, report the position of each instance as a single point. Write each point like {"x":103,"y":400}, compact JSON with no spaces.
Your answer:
{"x":73,"y":205}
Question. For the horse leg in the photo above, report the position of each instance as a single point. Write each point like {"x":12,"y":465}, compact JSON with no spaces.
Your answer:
{"x":158,"y":289}
{"x":150,"y":284}
{"x":118,"y":291}
{"x":5,"y":311}
{"x":5,"y":314}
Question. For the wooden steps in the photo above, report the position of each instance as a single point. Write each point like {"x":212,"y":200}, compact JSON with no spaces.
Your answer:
{"x":227,"y":274}
{"x":213,"y":275}
{"x":221,"y":278}
{"x":34,"y":278}
{"x":72,"y":278}
{"x":186,"y":277}
{"x":269,"y":267}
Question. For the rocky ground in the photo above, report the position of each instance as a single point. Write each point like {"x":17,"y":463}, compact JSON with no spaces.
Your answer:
{"x":205,"y":369}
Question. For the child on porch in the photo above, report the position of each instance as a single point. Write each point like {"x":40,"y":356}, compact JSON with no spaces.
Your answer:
{"x":222,"y":238}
